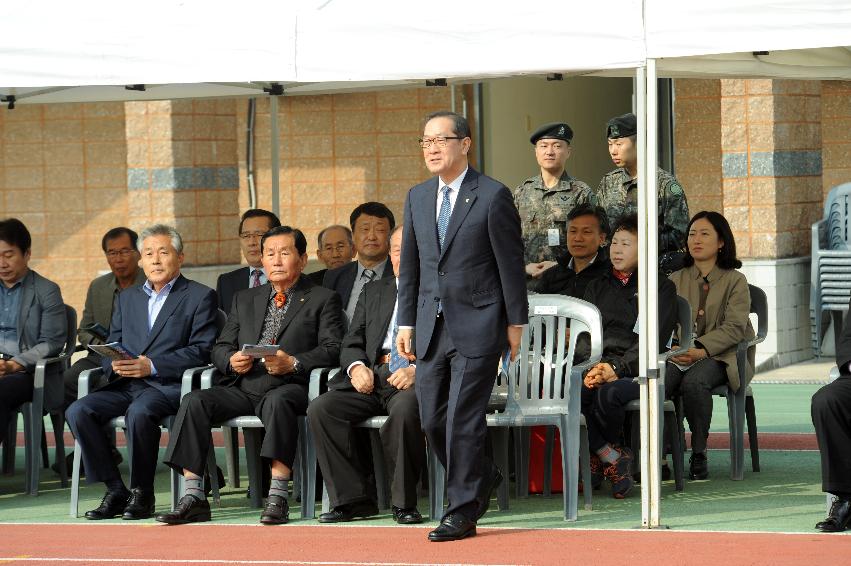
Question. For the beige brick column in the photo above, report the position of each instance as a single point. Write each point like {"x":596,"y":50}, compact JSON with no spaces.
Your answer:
{"x":836,"y":133}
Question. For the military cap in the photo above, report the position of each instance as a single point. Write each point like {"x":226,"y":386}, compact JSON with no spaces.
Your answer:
{"x":555,"y":130}
{"x":622,"y":126}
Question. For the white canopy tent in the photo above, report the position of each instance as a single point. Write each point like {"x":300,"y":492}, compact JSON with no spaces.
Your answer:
{"x":72,"y":53}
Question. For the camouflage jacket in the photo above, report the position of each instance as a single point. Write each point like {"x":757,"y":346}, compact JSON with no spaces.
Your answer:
{"x":618,"y":194}
{"x":541,"y":209}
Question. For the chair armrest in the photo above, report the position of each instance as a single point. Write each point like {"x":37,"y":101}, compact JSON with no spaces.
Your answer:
{"x":319,"y":378}
{"x":187,"y":383}
{"x":86,"y":380}
{"x":42,"y":365}
{"x":207,"y":377}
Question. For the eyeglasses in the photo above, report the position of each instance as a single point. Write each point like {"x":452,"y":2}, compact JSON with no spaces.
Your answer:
{"x":425,"y":143}
{"x":123,"y":252}
{"x":249,"y":235}
{"x":339,"y":248}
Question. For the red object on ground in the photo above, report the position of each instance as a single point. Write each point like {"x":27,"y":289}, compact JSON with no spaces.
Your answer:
{"x":536,"y":461}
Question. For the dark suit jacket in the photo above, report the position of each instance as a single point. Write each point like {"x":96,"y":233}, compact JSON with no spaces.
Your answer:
{"x":181,"y":337}
{"x":479,"y":275}
{"x":317,"y":277}
{"x":229,"y":283}
{"x":843,"y":348}
{"x":367,"y":330}
{"x":100,"y":299}
{"x":42,"y":326}
{"x":311,"y":331}
{"x":342,"y":279}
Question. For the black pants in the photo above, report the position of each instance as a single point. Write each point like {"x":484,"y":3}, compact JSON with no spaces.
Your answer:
{"x":72,"y":376}
{"x":604,"y":412}
{"x":15,"y":390}
{"x":695,"y":385}
{"x":453,"y":393}
{"x":144,"y":407}
{"x":332,"y":417}
{"x":277,"y":409}
{"x":831,"y":412}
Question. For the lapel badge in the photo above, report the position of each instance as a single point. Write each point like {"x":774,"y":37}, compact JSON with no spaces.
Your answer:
{"x":466,"y":200}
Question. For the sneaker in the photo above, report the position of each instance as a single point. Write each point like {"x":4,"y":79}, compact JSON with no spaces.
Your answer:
{"x":596,"y":473}
{"x":698,"y":466}
{"x":620,"y":474}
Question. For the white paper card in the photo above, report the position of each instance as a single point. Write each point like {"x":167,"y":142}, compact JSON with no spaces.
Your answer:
{"x":553,"y":237}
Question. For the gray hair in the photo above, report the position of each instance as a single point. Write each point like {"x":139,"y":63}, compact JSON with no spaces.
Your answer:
{"x":161,"y":230}
{"x":345,"y":229}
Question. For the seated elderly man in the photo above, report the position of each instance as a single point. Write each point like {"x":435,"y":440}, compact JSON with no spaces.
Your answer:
{"x":169,"y":323}
{"x":305,"y":322}
{"x":32,"y":319}
{"x":378,"y":381}
{"x":336,"y":249}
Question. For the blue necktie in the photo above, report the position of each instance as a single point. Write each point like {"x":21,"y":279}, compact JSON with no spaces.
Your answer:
{"x":443,"y":217}
{"x":397,"y":362}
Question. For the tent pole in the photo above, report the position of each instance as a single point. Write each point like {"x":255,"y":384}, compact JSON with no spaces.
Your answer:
{"x":276,"y":157}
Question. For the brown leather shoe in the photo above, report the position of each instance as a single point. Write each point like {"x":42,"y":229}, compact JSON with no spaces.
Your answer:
{"x":189,"y":509}
{"x":277,"y":511}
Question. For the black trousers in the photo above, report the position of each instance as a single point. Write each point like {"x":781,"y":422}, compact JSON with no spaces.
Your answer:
{"x":332,"y":417}
{"x":604,"y":412}
{"x":453,"y":393}
{"x":72,"y":376}
{"x":695,"y":385}
{"x":143,"y":407}
{"x":278,"y":410}
{"x":831,"y":412}
{"x":15,"y":390}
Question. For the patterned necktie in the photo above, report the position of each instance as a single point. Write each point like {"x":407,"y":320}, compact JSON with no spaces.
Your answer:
{"x":256,"y":281}
{"x":397,"y":362}
{"x":443,"y":217}
{"x":280,"y":299}
{"x":369,"y":274}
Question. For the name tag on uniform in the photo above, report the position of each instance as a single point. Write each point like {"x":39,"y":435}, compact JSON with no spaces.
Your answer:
{"x":553,"y":238}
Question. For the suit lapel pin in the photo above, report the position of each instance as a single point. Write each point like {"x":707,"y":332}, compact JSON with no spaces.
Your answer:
{"x":466,"y":200}
{"x":301,"y":300}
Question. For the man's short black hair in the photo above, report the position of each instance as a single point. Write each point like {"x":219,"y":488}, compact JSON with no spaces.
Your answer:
{"x":460,"y":125}
{"x":628,"y":223}
{"x":727,"y":254}
{"x":377,"y":209}
{"x":14,"y":233}
{"x":274,"y":221}
{"x":597,"y":212}
{"x":298,"y":236}
{"x":117,"y":233}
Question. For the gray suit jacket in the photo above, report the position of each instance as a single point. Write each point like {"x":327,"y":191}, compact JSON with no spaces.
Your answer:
{"x":41,"y":321}
{"x":99,"y":301}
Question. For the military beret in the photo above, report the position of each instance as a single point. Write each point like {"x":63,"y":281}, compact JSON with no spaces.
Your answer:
{"x":622,"y":126}
{"x":555,"y":130}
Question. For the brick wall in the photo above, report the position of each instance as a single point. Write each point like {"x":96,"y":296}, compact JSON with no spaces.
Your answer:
{"x":836,"y":133}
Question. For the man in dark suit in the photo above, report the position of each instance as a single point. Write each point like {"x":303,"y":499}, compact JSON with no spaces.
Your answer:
{"x":32,"y":320}
{"x":371,"y":224}
{"x":305,"y":322}
{"x":462,"y":285}
{"x":831,"y":413}
{"x":377,"y":381}
{"x":170,"y":323}
{"x":336,"y":249}
{"x":253,"y":224}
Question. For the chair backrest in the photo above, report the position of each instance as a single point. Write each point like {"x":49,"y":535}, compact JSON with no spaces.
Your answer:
{"x":71,"y":332}
{"x":686,"y":330}
{"x":221,"y":318}
{"x":759,"y":306}
{"x":545,"y":380}
{"x":837,"y":209}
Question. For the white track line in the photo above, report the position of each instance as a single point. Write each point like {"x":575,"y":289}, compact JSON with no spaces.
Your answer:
{"x":215,"y":561}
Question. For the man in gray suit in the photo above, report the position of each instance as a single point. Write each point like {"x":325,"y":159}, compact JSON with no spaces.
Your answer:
{"x":462,"y":285}
{"x":32,"y":319}
{"x":119,"y":246}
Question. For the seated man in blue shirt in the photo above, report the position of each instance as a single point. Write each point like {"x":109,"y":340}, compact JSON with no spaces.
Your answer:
{"x":170,"y":323}
{"x":32,"y":319}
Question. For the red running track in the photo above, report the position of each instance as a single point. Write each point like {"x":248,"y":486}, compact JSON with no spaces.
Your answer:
{"x":354,"y":546}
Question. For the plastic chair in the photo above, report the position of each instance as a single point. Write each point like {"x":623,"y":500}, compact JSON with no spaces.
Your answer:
{"x":48,"y":392}
{"x":546,"y":391}
{"x":673,"y":424}
{"x":830,"y":268}
{"x":304,"y":469}
{"x":740,"y":404}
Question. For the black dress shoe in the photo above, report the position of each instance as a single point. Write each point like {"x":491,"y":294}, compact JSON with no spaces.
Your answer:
{"x":407,"y":516}
{"x":838,"y":518}
{"x":698,"y":466}
{"x":140,"y":506}
{"x":112,"y":505}
{"x":490,"y":484}
{"x":189,"y":509}
{"x":345,"y":513}
{"x":277,"y":511}
{"x":454,"y":526}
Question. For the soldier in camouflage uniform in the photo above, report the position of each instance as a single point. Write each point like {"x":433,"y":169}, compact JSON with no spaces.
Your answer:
{"x":545,"y":200}
{"x":618,"y":190}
